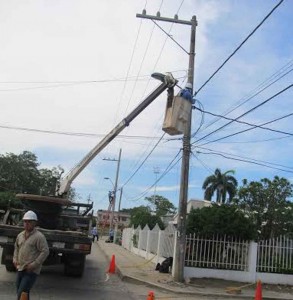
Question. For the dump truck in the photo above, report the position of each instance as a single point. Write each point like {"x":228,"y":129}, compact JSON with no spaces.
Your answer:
{"x":66,"y":224}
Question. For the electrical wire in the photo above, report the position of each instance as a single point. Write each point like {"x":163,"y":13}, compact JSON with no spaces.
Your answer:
{"x":81,"y":134}
{"x":157,"y":60}
{"x":255,"y":91}
{"x":252,"y":125}
{"x":139,"y":167}
{"x":247,"y":112}
{"x":167,"y":170}
{"x":248,"y":158}
{"x":246,"y":161}
{"x":234,"y":52}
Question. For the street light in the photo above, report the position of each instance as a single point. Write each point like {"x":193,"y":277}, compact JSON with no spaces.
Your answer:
{"x":107,"y":178}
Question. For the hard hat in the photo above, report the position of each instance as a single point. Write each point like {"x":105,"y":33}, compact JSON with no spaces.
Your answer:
{"x":188,"y":85}
{"x":30,"y":216}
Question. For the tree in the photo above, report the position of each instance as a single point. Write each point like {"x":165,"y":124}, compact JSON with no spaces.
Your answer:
{"x":267,"y":203}
{"x":223,"y":219}
{"x":222,"y":184}
{"x":21,"y":174}
{"x":161,"y":205}
{"x":142,"y":216}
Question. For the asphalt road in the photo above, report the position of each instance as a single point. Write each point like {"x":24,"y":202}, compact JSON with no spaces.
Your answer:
{"x":95,"y":284}
{"x":52,"y":284}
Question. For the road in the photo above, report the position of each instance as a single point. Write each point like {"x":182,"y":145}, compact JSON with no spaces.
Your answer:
{"x":95,"y":284}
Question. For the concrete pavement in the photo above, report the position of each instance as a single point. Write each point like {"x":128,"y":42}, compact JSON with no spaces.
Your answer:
{"x":134,"y":268}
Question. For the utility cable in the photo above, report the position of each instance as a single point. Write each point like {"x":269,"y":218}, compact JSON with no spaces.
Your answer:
{"x":233,"y":53}
{"x":246,"y":161}
{"x":139,"y":167}
{"x":247,"y":112}
{"x":257,"y":92}
{"x":248,"y":158}
{"x":81,"y":134}
{"x":157,"y":60}
{"x":252,"y":125}
{"x":170,"y":166}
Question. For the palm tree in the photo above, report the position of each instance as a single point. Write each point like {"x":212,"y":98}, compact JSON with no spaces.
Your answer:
{"x":222,"y":184}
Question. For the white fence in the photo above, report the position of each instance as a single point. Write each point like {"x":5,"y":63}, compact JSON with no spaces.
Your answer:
{"x":152,"y":244}
{"x":225,"y":252}
{"x":218,"y":257}
{"x":275,"y":255}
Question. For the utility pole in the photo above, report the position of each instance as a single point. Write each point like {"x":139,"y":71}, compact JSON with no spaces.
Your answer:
{"x":156,"y":171}
{"x":115,"y":190}
{"x":179,"y":259}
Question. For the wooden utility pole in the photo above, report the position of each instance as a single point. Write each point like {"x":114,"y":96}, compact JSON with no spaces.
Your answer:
{"x":179,"y":259}
{"x":115,"y":190}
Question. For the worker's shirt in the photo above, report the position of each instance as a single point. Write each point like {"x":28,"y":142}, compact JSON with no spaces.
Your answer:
{"x":31,"y":249}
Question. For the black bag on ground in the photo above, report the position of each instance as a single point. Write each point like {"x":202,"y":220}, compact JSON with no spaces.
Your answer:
{"x":166,"y":265}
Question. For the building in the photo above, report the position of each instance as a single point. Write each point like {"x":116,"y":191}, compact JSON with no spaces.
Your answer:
{"x":104,"y":216}
{"x":193,"y":203}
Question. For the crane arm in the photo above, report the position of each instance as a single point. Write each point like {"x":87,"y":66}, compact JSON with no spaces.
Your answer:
{"x":167,"y":82}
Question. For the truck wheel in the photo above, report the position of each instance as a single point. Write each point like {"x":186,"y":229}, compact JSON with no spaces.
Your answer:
{"x":74,"y":265}
{"x":6,"y":259}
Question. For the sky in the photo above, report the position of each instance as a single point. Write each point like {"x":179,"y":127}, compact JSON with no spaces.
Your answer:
{"x":72,"y":70}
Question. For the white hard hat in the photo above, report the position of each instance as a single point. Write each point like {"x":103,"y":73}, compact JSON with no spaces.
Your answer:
{"x":30,"y":215}
{"x":188,"y":85}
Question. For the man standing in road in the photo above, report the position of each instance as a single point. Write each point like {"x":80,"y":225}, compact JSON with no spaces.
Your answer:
{"x":95,"y":234}
{"x":30,"y":252}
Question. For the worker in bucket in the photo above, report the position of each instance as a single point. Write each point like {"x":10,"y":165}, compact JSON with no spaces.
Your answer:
{"x":30,"y":252}
{"x":186,"y":93}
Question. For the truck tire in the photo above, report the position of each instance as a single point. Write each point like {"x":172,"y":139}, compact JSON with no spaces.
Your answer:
{"x":6,"y":259}
{"x":74,"y":265}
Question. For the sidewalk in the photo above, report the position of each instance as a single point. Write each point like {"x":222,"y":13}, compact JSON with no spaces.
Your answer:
{"x":134,"y":268}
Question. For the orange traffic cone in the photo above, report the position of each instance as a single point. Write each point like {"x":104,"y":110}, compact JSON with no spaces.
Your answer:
{"x":151,"y":296}
{"x":112,"y":265}
{"x":24,"y":296}
{"x":258,"y":291}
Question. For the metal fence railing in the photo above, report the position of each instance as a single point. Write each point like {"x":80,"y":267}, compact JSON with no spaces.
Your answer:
{"x":218,"y":252}
{"x":275,"y":255}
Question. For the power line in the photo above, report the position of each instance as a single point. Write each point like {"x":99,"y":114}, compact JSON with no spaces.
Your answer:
{"x":246,"y":161}
{"x":252,"y":125}
{"x":81,"y":134}
{"x":157,"y":60}
{"x":258,"y":141}
{"x":139,"y":167}
{"x":257,"y":92}
{"x":252,"y":109}
{"x":248,"y":158}
{"x":245,"y":40}
{"x":167,"y":170}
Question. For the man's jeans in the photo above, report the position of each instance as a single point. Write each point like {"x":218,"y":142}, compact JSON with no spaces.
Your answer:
{"x":24,"y":282}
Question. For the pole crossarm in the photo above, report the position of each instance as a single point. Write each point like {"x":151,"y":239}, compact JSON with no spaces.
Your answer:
{"x":159,"y":18}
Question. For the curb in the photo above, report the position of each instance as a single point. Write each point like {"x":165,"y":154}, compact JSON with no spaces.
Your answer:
{"x":133,"y":279}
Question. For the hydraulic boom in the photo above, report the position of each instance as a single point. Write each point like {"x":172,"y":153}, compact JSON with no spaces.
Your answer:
{"x":167,"y":80}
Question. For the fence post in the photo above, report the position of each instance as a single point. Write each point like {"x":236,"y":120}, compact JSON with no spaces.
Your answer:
{"x":130,"y":242}
{"x":139,"y":240}
{"x":252,"y":261}
{"x":174,"y":254}
{"x":148,"y":245}
{"x":159,"y":245}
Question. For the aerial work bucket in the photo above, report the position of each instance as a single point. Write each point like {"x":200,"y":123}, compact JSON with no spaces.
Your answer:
{"x":176,"y":115}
